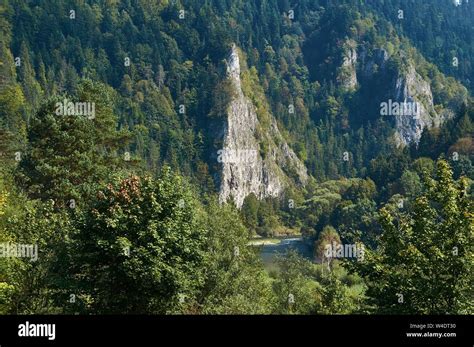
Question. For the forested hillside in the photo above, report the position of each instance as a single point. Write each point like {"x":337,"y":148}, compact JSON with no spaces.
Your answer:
{"x":144,"y":145}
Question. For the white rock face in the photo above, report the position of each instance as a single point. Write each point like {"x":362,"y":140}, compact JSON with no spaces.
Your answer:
{"x":244,"y":171}
{"x":408,"y":88}
{"x":412,"y":88}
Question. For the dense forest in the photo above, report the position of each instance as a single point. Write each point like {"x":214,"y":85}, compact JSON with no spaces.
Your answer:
{"x":113,"y":115}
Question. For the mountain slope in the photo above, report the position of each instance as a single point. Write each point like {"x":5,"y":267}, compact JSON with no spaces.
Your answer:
{"x":324,"y":70}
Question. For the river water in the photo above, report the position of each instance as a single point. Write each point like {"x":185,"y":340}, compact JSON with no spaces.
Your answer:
{"x":269,"y":251}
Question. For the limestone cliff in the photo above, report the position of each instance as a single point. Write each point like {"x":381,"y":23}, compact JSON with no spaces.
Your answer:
{"x":246,"y":168}
{"x":405,"y":87}
{"x":410,"y":87}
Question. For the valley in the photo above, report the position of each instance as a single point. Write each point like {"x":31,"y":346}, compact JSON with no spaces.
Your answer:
{"x":232,"y":157}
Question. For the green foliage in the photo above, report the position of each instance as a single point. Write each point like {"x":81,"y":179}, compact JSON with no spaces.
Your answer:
{"x":139,"y":247}
{"x":410,"y":183}
{"x":235,"y":280}
{"x":295,"y":288}
{"x":158,"y":245}
{"x":12,"y":101}
{"x":29,"y":284}
{"x":424,"y":261}
{"x":69,"y":153}
{"x":302,"y":287}
{"x":250,"y":212}
{"x":178,"y":63}
{"x":328,"y":236}
{"x":223,"y":94}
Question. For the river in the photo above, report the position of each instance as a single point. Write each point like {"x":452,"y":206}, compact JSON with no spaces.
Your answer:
{"x":271,"y":248}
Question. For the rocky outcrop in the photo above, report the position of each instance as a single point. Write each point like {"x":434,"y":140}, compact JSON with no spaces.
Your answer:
{"x":246,"y":167}
{"x":347,"y":75}
{"x":411,"y":88}
{"x":408,"y":91}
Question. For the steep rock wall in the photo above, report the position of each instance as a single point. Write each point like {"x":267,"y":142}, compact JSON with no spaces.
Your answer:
{"x":244,"y":169}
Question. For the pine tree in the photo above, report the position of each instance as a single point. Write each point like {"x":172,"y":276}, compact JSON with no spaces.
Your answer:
{"x":68,"y":154}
